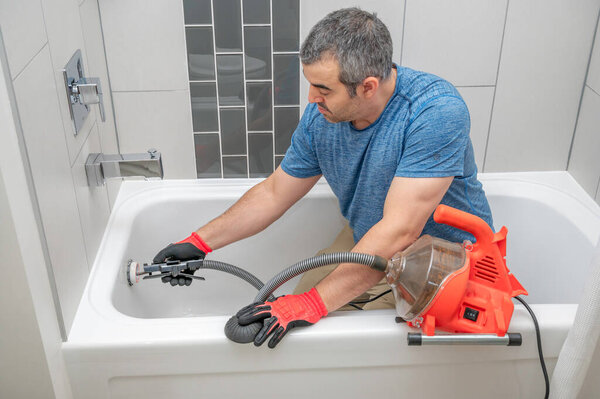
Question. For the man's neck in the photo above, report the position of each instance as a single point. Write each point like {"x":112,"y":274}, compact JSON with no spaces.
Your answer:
{"x":378,"y":104}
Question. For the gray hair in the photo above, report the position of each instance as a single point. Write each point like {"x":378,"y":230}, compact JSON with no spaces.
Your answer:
{"x":357,"y":39}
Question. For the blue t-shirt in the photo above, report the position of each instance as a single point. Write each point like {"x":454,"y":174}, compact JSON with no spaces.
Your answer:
{"x":422,"y":132}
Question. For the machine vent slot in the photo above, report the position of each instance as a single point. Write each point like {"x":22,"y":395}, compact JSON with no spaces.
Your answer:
{"x":485,"y":268}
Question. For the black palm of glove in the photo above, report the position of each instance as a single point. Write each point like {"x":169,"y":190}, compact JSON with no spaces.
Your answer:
{"x":187,"y":249}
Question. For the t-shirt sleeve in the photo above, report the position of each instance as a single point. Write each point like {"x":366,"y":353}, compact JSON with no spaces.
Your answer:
{"x":300,"y":158}
{"x":436,"y":139}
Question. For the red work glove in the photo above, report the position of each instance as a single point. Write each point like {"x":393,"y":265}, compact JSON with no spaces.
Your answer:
{"x":192,"y":248}
{"x":283,"y":314}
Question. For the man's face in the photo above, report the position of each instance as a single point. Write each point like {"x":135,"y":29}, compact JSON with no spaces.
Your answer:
{"x":331,"y":96}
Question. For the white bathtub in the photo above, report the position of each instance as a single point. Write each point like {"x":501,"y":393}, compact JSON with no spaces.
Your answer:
{"x":156,"y":341}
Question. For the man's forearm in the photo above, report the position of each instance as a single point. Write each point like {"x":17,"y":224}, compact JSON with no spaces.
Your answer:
{"x":348,"y":280}
{"x":257,"y":209}
{"x":252,"y":213}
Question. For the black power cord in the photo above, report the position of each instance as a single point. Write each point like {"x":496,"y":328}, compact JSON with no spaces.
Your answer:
{"x":539,"y":344}
{"x":355,"y":304}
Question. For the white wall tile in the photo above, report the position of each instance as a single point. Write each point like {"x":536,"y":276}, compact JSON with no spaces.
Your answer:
{"x":593,"y":79}
{"x":96,"y":67}
{"x":145,"y":45}
{"x":92,"y":202}
{"x":598,"y":193}
{"x":64,"y":39}
{"x":160,"y":120}
{"x":456,"y":40}
{"x":479,"y":101}
{"x":542,"y":68}
{"x":44,"y":138}
{"x":24,"y":32}
{"x":20,"y":342}
{"x":391,"y":12}
{"x":35,"y":283}
{"x":584,"y":164}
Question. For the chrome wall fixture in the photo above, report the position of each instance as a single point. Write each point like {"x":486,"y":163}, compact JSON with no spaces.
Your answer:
{"x":100,"y":167}
{"x":81,"y":91}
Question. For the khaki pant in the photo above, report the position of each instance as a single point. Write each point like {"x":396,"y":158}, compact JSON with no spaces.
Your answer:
{"x":345,"y":242}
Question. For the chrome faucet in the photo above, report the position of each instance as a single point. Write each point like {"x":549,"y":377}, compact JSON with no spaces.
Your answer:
{"x":100,"y":167}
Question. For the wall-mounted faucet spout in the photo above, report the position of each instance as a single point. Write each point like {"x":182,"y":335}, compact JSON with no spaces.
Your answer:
{"x":100,"y":167}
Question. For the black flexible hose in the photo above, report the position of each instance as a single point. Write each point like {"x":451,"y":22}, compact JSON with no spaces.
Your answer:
{"x":373,"y":261}
{"x":245,"y":334}
{"x":231,"y":269}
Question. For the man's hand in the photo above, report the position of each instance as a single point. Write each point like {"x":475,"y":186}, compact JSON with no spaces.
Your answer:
{"x":283,"y":314}
{"x":192,"y":248}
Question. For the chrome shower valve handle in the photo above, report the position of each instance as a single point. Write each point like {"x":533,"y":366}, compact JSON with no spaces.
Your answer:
{"x":88,"y":91}
{"x":81,"y":92}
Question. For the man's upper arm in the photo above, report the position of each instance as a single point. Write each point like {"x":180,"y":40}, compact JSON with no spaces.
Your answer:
{"x":410,"y":201}
{"x":289,"y":189}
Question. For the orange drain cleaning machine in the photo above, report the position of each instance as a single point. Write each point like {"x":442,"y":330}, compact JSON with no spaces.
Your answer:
{"x":456,"y":288}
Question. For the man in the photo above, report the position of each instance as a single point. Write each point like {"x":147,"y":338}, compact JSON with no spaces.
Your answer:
{"x":392,"y":143}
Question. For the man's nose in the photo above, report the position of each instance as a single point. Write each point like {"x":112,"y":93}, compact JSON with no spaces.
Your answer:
{"x":314,"y":96}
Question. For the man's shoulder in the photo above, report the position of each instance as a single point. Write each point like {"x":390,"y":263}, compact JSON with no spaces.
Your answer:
{"x":418,"y":86}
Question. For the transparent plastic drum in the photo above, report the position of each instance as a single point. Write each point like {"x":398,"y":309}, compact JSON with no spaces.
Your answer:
{"x":417,"y":273}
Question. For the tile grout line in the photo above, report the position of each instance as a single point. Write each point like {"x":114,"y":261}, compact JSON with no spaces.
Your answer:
{"x":214,"y":37}
{"x":189,"y":85}
{"x":272,"y":90}
{"x":592,"y":89}
{"x":587,"y":71}
{"x":109,"y":85}
{"x":46,"y":43}
{"x":487,"y":139}
{"x":245,"y":91}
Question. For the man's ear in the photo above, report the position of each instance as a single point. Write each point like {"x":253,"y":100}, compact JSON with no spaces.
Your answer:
{"x":369,"y":87}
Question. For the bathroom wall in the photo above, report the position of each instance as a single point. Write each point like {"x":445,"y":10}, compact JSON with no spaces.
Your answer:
{"x":584,"y":164}
{"x":212,"y":85}
{"x":30,"y":343}
{"x":39,"y":39}
{"x":21,"y":348}
{"x":519,"y":65}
